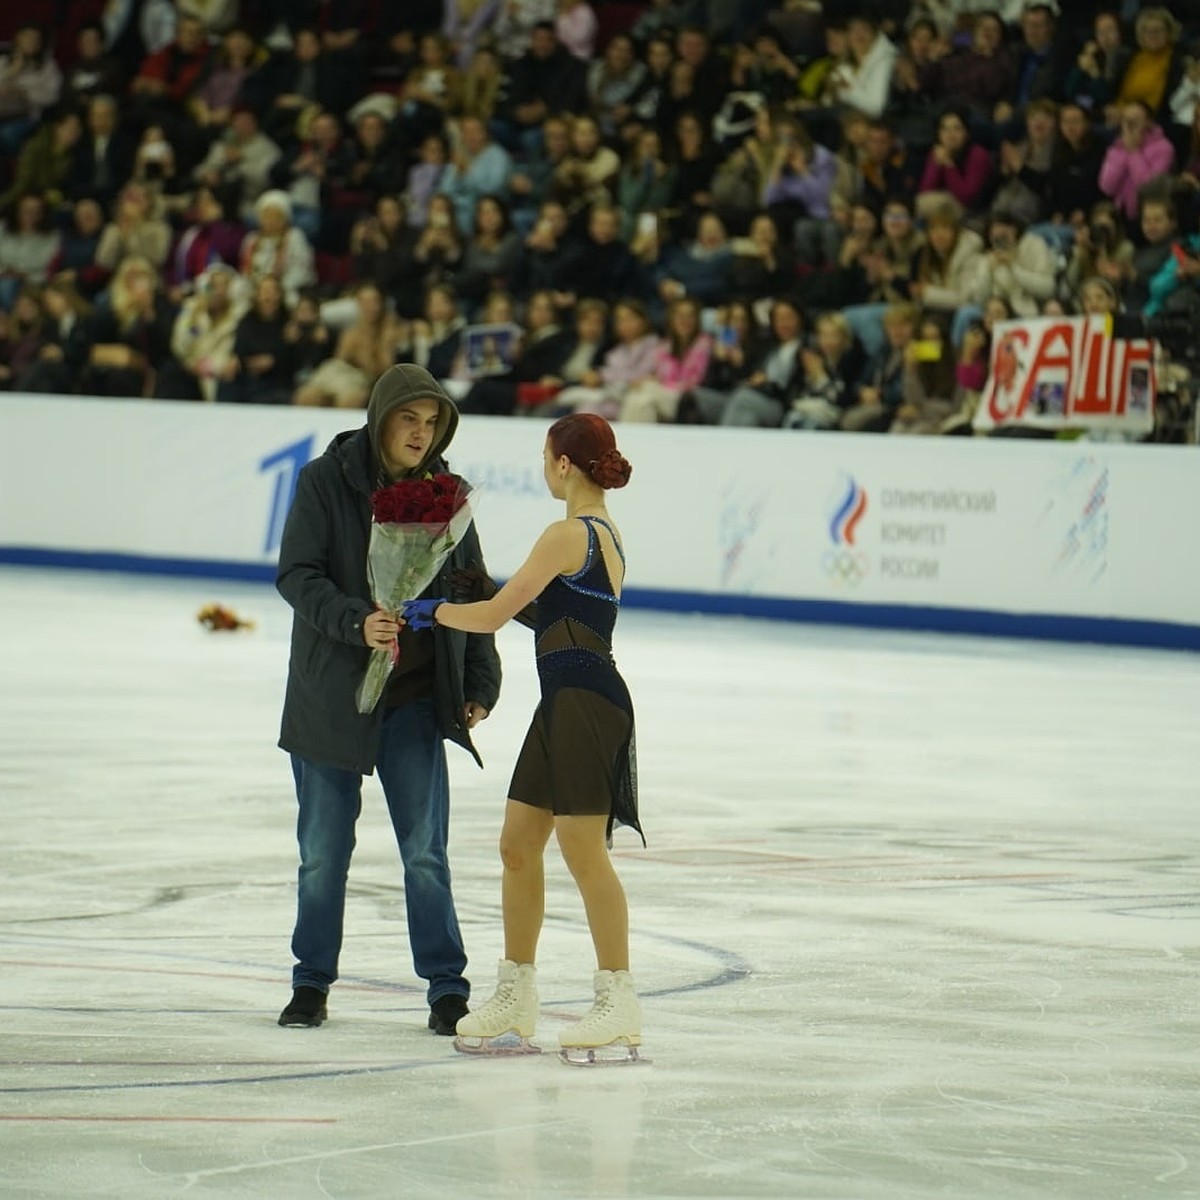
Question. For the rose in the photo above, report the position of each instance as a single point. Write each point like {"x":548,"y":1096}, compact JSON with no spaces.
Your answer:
{"x":419,"y":501}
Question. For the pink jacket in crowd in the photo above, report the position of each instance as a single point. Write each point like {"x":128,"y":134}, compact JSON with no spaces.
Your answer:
{"x":1125,"y":171}
{"x":683,"y":374}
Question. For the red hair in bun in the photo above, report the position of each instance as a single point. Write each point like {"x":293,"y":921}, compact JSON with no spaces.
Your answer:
{"x":588,"y":441}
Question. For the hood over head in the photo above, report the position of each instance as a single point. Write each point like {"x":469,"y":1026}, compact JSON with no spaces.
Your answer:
{"x":398,"y":386}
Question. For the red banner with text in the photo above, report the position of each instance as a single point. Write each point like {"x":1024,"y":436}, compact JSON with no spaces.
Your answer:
{"x":1068,"y":373}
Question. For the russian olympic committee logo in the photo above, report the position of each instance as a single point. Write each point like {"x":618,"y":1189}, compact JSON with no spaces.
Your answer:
{"x":844,"y":563}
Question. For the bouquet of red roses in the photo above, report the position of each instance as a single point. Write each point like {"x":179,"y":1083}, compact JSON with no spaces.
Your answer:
{"x":417,"y":523}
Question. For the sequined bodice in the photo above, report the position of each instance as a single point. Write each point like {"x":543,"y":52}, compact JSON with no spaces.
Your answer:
{"x":576,"y":613}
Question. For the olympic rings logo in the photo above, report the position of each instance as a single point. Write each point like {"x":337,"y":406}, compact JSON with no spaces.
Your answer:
{"x":845,"y":566}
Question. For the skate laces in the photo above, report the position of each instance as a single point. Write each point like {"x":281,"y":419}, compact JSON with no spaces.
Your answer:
{"x":602,"y":1006}
{"x":504,"y":998}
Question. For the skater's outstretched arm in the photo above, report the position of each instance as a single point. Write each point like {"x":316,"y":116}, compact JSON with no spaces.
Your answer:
{"x":472,"y":583}
{"x":560,"y":550}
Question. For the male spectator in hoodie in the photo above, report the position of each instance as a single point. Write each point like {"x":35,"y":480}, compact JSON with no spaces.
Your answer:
{"x":443,"y":684}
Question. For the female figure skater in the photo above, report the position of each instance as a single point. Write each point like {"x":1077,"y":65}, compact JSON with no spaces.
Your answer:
{"x":575,"y":775}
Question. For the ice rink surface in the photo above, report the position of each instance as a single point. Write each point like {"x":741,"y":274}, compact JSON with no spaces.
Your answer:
{"x":919,"y":917}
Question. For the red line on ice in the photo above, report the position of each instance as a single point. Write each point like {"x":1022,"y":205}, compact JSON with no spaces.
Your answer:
{"x":196,"y":1120}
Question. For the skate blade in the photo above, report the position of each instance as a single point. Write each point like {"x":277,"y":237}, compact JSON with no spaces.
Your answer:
{"x":506,"y":1045}
{"x":618,"y":1055}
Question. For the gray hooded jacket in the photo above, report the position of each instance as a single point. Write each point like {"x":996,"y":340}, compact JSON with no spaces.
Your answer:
{"x":323,"y":575}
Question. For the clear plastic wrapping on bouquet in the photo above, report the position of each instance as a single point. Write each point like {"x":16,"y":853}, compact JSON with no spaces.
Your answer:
{"x":402,"y":561}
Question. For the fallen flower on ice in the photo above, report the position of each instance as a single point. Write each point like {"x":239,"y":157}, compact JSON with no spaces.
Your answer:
{"x":216,"y":618}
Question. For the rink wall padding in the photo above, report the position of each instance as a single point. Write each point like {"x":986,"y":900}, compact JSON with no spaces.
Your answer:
{"x":1064,"y":540}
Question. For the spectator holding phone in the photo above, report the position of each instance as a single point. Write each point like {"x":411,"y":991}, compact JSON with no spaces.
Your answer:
{"x":800,"y":182}
{"x":1093,"y":80}
{"x":1101,"y":248}
{"x":764,"y":395}
{"x":1020,"y":265}
{"x":928,"y":382}
{"x":1140,"y":154}
{"x":737,"y":350}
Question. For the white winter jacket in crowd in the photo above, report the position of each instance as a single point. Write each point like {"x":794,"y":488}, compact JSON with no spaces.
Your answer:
{"x":1027,"y":280}
{"x":966,"y":276}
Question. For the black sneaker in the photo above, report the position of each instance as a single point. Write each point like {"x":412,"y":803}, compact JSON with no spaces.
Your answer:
{"x":445,"y":1011}
{"x":307,"y":1007}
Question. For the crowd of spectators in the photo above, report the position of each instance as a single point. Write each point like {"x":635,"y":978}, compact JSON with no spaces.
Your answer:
{"x":795,"y":214}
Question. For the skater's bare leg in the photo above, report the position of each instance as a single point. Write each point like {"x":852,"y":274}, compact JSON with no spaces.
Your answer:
{"x":505,"y":1023}
{"x":584,"y":848}
{"x":523,"y":888}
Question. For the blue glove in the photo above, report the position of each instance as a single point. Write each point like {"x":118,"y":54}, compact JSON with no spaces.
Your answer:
{"x":418,"y":614}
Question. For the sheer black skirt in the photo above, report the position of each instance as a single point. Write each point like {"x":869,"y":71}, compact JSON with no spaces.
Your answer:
{"x":579,"y":757}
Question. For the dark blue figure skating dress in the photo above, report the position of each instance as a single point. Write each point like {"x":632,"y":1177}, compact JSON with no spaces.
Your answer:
{"x":579,"y":758}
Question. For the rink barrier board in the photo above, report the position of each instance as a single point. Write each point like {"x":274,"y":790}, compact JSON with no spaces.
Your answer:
{"x":1032,"y":626}
{"x":1072,"y":541}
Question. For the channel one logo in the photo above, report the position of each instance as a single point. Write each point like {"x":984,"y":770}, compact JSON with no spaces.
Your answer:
{"x":842,"y":561}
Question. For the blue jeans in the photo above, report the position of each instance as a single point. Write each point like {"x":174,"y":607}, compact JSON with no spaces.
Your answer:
{"x":867,"y":322}
{"x":13,"y":134}
{"x":522,"y":140}
{"x":1057,"y":237}
{"x":307,"y":220}
{"x":10,"y":286}
{"x":412,"y":772}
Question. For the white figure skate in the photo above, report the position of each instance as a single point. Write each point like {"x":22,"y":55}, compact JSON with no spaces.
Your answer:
{"x":611,"y":1032}
{"x":508,"y":1020}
